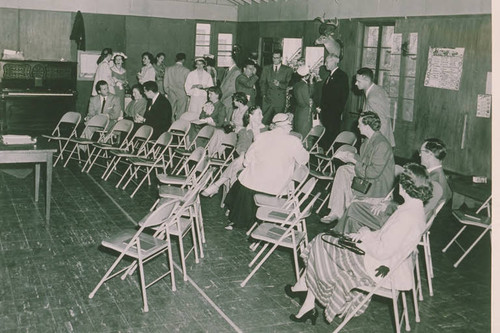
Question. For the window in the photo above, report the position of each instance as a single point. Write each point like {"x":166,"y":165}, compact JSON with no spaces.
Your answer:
{"x":392,"y":57}
{"x":202,"y":44}
{"x":224,"y":49}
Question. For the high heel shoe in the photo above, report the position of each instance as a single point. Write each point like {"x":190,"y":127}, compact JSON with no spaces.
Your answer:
{"x":301,"y":295}
{"x":311,"y":314}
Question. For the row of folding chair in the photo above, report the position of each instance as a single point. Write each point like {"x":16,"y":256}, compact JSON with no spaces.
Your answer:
{"x":172,"y":218}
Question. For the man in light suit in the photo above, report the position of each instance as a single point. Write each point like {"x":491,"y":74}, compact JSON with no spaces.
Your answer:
{"x":175,"y":77}
{"x":104,"y":102}
{"x":273,"y":84}
{"x":376,"y":101}
{"x":334,"y":95}
{"x":228,"y":86}
{"x":159,"y":111}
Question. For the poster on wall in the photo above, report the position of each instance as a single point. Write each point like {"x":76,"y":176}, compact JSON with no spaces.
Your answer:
{"x":444,"y":68}
{"x":483,"y":106}
{"x":314,"y":58}
{"x":87,"y":64}
{"x":292,"y":51}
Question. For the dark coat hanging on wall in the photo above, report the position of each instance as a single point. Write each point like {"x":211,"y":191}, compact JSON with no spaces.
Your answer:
{"x":78,"y":32}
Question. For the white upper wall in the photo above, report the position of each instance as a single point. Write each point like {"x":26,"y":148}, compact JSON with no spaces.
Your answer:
{"x":218,"y":10}
{"x":289,"y":10}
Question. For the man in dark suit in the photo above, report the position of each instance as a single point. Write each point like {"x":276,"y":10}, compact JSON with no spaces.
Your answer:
{"x":159,"y":111}
{"x":333,"y":99}
{"x":273,"y":84}
{"x":245,"y":82}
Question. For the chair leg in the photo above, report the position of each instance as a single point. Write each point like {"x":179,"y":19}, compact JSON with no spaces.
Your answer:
{"x":261,"y":262}
{"x":396,"y":310}
{"x":428,"y":264}
{"x":142,"y":181}
{"x":405,"y":311}
{"x":419,"y":280}
{"x":183,"y":259}
{"x":453,"y":239}
{"x":415,"y":302}
{"x":143,"y":286}
{"x":70,"y":154}
{"x":123,"y":176}
{"x":471,"y":247}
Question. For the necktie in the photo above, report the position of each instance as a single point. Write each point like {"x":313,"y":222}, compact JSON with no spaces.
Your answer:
{"x":275,"y":68}
{"x":103,"y":103}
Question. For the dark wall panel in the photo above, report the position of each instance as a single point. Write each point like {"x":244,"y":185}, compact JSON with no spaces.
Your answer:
{"x":9,"y":29}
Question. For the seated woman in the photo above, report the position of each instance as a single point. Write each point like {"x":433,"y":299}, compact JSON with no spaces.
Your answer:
{"x":373,"y":216}
{"x":252,"y":120}
{"x":213,"y":112}
{"x":235,"y":118}
{"x":332,"y":273}
{"x":375,"y":164}
{"x":137,"y":107}
{"x":269,"y":164}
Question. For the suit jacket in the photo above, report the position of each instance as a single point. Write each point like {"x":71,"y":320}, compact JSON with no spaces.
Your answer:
{"x":376,"y":164}
{"x":159,"y":116}
{"x":267,"y":87}
{"x":228,"y":85}
{"x":334,"y":96}
{"x":246,"y":85}
{"x":112,"y":108}
{"x":378,"y":102}
{"x":174,"y":79}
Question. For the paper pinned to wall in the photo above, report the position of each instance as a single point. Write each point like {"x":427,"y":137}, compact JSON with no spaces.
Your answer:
{"x":397,"y":39}
{"x":412,"y":48}
{"x":444,"y":68}
{"x":483,"y":106}
{"x":488,"y":83}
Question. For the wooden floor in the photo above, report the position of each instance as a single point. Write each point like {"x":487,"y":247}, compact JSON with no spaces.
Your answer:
{"x":47,"y":272}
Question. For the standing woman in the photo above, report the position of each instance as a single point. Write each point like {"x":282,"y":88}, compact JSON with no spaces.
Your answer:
{"x":119,"y":75}
{"x":147,"y":72}
{"x":159,"y":67}
{"x":210,"y":67}
{"x":103,"y":71}
{"x":302,"y":120}
{"x":196,"y":81}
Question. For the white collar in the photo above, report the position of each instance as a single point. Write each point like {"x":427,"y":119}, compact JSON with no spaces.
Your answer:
{"x":429,"y":170}
{"x":369,"y":88}
{"x":153,"y":100}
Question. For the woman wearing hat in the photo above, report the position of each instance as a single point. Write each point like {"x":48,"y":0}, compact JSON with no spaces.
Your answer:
{"x":302,"y":121}
{"x":269,"y":165}
{"x":196,"y":83}
{"x":119,"y":75}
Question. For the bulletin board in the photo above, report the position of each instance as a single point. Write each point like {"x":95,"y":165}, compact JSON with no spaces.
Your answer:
{"x":87,"y":65}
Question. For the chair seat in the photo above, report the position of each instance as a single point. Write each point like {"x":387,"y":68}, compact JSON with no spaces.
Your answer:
{"x":271,"y":233}
{"x":51,"y":137}
{"x":122,"y":153}
{"x":149,"y":244}
{"x":320,"y":175}
{"x":167,"y":191}
{"x":105,"y":146}
{"x":470,"y":219}
{"x":82,"y":141}
{"x":268,"y":200}
{"x":184,"y":224}
{"x":141,"y":161}
{"x":182,"y":151}
{"x":216,"y":161}
{"x":323,"y":157}
{"x":171,"y":179}
{"x":275,"y":215}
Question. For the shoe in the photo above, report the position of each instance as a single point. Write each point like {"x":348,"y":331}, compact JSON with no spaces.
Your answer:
{"x":329,"y":219}
{"x":311,"y":314}
{"x":301,"y":295}
{"x":229,"y":226}
{"x":210,"y":191}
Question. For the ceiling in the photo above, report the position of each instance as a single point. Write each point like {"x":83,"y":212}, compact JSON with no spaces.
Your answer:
{"x":230,"y":2}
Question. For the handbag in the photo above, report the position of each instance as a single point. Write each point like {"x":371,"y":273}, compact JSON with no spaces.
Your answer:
{"x":342,"y":241}
{"x":360,"y":184}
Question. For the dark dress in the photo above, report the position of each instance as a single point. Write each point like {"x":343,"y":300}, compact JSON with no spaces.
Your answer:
{"x":302,"y":120}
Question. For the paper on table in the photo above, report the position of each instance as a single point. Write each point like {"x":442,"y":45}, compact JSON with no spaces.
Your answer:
{"x":10,"y":139}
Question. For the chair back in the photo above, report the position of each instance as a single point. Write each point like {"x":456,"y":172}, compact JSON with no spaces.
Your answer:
{"x":297,"y":214}
{"x":297,"y":199}
{"x":140,"y":138}
{"x":204,"y":135}
{"x":180,"y":129}
{"x":159,"y":215}
{"x":160,"y":146}
{"x":68,"y":124}
{"x":299,"y":176}
{"x":97,"y":123}
{"x":192,"y":161}
{"x":347,"y":148}
{"x":435,"y":212}
{"x":120,"y":130}
{"x":311,"y":141}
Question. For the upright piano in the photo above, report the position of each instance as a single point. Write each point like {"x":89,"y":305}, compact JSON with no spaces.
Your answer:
{"x":35,"y":94}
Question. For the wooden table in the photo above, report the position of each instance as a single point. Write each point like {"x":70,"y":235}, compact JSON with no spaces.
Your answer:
{"x":17,"y":154}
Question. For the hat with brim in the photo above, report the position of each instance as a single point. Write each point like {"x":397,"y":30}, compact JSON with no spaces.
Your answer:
{"x":200,"y":59}
{"x":281,"y":119}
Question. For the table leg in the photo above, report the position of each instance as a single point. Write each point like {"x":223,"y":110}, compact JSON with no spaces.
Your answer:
{"x":37,"y":180}
{"x":48,"y":187}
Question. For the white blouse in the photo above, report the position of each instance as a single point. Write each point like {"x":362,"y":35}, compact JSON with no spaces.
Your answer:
{"x":198,"y":77}
{"x":147,"y":73}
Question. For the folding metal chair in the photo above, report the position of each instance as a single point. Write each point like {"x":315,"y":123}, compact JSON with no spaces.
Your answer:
{"x":286,"y":235}
{"x":311,"y":141}
{"x":135,"y":147}
{"x":116,"y":138}
{"x":328,"y":174}
{"x":391,"y":293}
{"x":95,"y":126}
{"x":142,"y":247}
{"x":472,"y":220}
{"x":202,"y":139}
{"x":154,"y":159}
{"x":64,"y":130}
{"x":344,"y":138}
{"x":180,"y":130}
{"x":425,"y":242}
{"x":226,"y":155}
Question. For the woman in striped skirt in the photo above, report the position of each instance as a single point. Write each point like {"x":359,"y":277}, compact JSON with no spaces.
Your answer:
{"x":332,"y":273}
